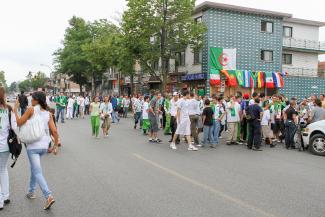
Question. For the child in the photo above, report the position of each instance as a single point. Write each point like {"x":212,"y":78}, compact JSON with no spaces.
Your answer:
{"x":207,"y":119}
{"x":146,"y":122}
{"x":265,"y":123}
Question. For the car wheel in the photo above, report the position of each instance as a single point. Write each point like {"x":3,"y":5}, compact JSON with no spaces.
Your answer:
{"x":317,"y":144}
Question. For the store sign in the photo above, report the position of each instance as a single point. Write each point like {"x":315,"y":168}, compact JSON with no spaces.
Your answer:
{"x":193,"y":77}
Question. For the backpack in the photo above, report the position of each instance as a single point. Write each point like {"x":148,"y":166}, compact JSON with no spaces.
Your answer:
{"x":14,"y":144}
{"x":249,"y":114}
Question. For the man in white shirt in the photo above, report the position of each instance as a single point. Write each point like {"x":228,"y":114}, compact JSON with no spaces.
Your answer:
{"x":173,"y":113}
{"x":70,"y":108}
{"x":126,"y":105}
{"x":194,"y":113}
{"x":82,"y":106}
{"x":233,"y":118}
{"x":219,"y":114}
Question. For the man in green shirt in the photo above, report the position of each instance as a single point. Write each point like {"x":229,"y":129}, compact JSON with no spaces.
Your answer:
{"x":61,"y":103}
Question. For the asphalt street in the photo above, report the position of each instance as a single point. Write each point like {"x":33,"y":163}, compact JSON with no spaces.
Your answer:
{"x":126,"y":176}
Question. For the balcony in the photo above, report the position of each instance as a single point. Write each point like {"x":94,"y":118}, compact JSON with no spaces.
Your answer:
{"x":304,"y":45}
{"x":303,"y":72}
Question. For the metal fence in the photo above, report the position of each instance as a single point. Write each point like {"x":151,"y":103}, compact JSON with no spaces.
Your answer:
{"x":304,"y":44}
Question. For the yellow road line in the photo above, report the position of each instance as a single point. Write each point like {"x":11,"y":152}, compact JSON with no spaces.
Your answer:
{"x":206,"y":187}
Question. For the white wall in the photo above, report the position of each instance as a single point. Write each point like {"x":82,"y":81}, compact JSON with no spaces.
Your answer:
{"x":302,"y":61}
{"x":301,"y":31}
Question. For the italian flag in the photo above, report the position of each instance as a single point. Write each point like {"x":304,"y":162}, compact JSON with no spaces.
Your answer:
{"x":269,"y":80}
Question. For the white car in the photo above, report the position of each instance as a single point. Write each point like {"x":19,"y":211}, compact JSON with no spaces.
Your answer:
{"x":314,"y":137}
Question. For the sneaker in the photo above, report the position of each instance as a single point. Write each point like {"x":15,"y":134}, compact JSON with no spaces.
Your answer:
{"x":220,"y":137}
{"x":199,"y":145}
{"x":192,"y":148}
{"x":31,"y":195}
{"x":150,"y":140}
{"x":173,"y":146}
{"x":6,"y":202}
{"x":49,"y":202}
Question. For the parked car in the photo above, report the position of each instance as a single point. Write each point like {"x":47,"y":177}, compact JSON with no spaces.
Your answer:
{"x":314,"y":138}
{"x":11,"y":99}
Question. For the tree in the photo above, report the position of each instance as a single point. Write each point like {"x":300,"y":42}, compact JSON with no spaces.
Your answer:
{"x":13,"y":87}
{"x":71,"y":59}
{"x":3,"y":79}
{"x":156,"y":29}
{"x":39,"y":80}
{"x":25,"y":85}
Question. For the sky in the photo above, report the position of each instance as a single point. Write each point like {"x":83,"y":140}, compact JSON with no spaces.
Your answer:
{"x":30,"y":31}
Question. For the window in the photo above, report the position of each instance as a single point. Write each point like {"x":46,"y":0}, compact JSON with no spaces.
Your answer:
{"x":267,"y":55}
{"x":287,"y":31}
{"x":180,"y":58}
{"x":267,"y":26}
{"x":197,"y":57}
{"x":198,"y":20}
{"x":287,"y":59}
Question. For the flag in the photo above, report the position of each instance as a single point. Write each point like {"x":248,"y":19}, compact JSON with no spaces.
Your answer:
{"x":253,"y":79}
{"x":214,"y":76}
{"x":260,"y":79}
{"x":231,"y":77}
{"x":278,"y":79}
{"x":269,"y":82}
{"x":223,"y":58}
{"x":247,"y":76}
{"x":240,"y":77}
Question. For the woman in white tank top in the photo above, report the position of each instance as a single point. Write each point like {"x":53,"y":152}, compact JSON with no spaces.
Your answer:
{"x":40,"y":147}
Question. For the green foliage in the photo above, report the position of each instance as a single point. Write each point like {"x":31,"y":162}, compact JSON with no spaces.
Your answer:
{"x":39,"y":80}
{"x":25,"y":85}
{"x":13,"y":87}
{"x":3,"y":79}
{"x":158,"y":28}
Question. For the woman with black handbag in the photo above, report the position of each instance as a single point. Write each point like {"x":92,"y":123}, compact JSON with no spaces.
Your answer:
{"x":4,"y":148}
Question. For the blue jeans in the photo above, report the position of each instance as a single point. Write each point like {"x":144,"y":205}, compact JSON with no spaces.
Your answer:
{"x":137,"y":118}
{"x":216,"y":131}
{"x":114,"y":117}
{"x":34,"y":156}
{"x":60,"y":111}
{"x":208,"y":135}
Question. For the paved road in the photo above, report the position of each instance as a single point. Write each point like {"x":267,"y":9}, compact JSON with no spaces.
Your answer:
{"x":125,"y":176}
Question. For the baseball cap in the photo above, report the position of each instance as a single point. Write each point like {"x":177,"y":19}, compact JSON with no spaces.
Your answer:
{"x":175,"y":94}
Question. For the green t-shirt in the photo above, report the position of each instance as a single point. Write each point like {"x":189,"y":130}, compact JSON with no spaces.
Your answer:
{"x":61,"y":101}
{"x":94,"y":109}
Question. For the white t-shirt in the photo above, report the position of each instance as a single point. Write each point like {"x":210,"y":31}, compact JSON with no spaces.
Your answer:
{"x":173,"y":107}
{"x":266,"y":118}
{"x":43,"y":143}
{"x":70,"y":103}
{"x":145,"y":110}
{"x":251,"y":102}
{"x":183,"y":106}
{"x":219,"y":110}
{"x":106,"y":108}
{"x":233,"y":114}
{"x":194,"y":107}
{"x":82,"y":101}
{"x":4,"y":128}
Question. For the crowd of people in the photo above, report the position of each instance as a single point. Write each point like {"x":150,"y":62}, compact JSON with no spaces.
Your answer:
{"x":242,"y":118}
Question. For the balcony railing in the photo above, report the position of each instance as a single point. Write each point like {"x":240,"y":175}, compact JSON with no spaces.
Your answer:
{"x":304,"y":44}
{"x":304,"y":72}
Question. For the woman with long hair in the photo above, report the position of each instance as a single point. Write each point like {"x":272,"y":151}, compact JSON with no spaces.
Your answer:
{"x":4,"y":148}
{"x":37,"y":149}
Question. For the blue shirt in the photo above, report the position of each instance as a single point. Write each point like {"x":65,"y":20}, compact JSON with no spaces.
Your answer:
{"x":114,"y":102}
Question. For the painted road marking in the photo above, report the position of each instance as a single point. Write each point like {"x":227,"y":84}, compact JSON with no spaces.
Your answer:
{"x":205,"y":187}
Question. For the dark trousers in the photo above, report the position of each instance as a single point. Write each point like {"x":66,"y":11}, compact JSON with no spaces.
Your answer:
{"x":290,"y":131}
{"x":173,"y":125}
{"x":244,"y":129}
{"x":254,"y":134}
{"x":222,"y":127}
{"x":137,"y":118}
{"x":194,"y":121}
{"x":86,"y":109}
{"x":22,"y":110}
